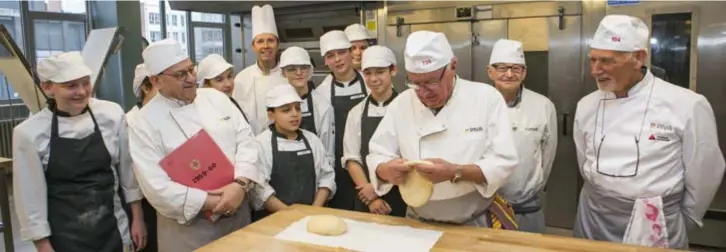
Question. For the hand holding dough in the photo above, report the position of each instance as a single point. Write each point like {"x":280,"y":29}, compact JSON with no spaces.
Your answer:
{"x":416,"y":190}
{"x":327,"y":225}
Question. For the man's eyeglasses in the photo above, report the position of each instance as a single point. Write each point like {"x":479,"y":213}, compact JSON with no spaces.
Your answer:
{"x":517,"y":69}
{"x":183,"y":74}
{"x":428,"y":86}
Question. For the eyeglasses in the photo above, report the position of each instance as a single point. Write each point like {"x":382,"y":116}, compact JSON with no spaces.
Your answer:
{"x":183,"y":74}
{"x":295,"y":68}
{"x":517,"y":69}
{"x":625,"y":170}
{"x":428,"y":86}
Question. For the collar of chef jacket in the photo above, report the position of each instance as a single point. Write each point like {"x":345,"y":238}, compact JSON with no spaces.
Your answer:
{"x":517,"y":99}
{"x":640,"y":86}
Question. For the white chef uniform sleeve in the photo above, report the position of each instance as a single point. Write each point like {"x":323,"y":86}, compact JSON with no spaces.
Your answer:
{"x":169,"y":198}
{"x":703,"y":160}
{"x":351,"y":137}
{"x":383,"y":147}
{"x":126,"y":174}
{"x":324,"y":173}
{"x":263,"y":191}
{"x":549,"y":142}
{"x":246,"y":160}
{"x":327,"y":128}
{"x":500,"y":158}
{"x":578,"y":137}
{"x":29,"y":187}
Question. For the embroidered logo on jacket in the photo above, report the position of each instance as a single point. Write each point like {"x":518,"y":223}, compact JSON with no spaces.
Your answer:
{"x":474,"y":129}
{"x":653,"y":137}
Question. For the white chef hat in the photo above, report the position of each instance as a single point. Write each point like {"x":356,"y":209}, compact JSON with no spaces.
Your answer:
{"x":160,"y":55}
{"x":212,"y":66}
{"x":621,"y":33}
{"x":281,"y":95}
{"x":294,"y":56}
{"x":263,"y":20}
{"x":378,"y":56}
{"x":63,"y":67}
{"x":356,"y":32}
{"x":139,"y":76}
{"x":333,"y":40}
{"x":507,"y":51}
{"x":426,"y":52}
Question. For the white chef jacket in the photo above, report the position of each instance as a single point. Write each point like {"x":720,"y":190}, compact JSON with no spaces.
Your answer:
{"x":472,"y":128}
{"x":534,"y":123}
{"x":324,"y":173}
{"x":678,"y":146}
{"x":323,"y":90}
{"x":31,"y":151}
{"x":132,"y":112}
{"x":163,"y":124}
{"x":352,"y":137}
{"x":250,"y":88}
{"x":324,"y":118}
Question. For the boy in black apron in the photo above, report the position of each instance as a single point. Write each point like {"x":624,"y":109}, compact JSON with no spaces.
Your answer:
{"x":295,"y":167}
{"x":345,"y":88}
{"x":379,"y":66}
{"x":70,"y":159}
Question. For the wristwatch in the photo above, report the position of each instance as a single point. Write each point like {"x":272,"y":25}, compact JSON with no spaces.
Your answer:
{"x":247,"y":186}
{"x":457,"y":175}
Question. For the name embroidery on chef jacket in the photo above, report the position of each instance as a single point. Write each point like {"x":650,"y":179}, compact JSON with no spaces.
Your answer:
{"x":659,"y":131}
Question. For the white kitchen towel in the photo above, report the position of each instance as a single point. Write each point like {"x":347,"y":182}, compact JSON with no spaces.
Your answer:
{"x":647,"y":226}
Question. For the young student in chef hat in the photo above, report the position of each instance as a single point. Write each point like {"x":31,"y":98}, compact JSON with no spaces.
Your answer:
{"x":343,"y":88}
{"x":251,"y":85}
{"x":144,"y":92}
{"x":317,"y":113}
{"x":379,"y":67}
{"x":215,"y":72}
{"x":295,"y":167}
{"x":68,"y":160}
{"x":359,"y":40}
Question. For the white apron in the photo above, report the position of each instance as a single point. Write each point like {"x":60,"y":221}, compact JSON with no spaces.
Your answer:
{"x":175,"y":237}
{"x":602,"y":216}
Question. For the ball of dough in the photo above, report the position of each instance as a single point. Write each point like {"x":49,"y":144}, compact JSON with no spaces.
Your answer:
{"x":327,"y":225}
{"x":416,"y":190}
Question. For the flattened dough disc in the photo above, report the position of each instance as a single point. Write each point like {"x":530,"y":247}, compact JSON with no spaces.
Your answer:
{"x":416,"y":190}
{"x":328,"y":225}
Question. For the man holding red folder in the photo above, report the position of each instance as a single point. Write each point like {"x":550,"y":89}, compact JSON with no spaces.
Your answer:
{"x":171,"y":121}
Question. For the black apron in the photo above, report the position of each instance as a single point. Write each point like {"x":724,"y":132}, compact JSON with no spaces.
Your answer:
{"x":346,"y":195}
{"x":293,"y":174}
{"x":81,"y":189}
{"x":239,"y":108}
{"x":149,"y":218}
{"x":368,"y":126}
{"x":308,"y":119}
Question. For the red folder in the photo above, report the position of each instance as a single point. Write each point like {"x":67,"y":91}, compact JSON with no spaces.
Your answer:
{"x":199,"y":163}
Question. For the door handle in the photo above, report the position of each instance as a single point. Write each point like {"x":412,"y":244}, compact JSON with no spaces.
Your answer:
{"x":564,"y":124}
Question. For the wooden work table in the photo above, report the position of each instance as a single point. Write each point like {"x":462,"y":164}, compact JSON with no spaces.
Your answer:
{"x":259,"y":236}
